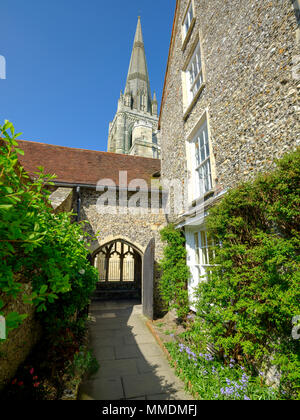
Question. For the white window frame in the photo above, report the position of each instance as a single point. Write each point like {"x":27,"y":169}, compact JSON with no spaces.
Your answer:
{"x":203,"y":254}
{"x":194,"y":74}
{"x":199,"y":252}
{"x":201,"y":162}
{"x":188,"y":20}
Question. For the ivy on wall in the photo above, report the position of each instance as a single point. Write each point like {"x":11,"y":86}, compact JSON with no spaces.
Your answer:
{"x":175,"y":273}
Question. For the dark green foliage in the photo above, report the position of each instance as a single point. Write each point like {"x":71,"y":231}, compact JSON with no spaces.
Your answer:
{"x":247,"y":307}
{"x":38,"y":246}
{"x":175,"y":273}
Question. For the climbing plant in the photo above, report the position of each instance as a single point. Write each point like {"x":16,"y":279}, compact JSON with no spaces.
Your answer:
{"x":247,"y":306}
{"x":38,"y":246}
{"x":175,"y":273}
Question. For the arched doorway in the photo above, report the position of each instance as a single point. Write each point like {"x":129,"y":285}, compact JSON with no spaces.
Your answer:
{"x":119,"y":265}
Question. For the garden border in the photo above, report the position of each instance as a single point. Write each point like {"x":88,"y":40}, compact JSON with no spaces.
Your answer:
{"x":169,"y":357}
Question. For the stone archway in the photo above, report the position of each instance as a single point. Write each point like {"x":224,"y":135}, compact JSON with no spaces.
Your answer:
{"x":126,"y":270}
{"x":120,"y":270}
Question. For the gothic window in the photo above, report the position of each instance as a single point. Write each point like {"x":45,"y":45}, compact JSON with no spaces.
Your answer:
{"x":117,"y":262}
{"x":194,"y":74}
{"x":202,"y":178}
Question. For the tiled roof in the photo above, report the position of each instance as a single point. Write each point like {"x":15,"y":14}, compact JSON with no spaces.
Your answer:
{"x":84,"y":167}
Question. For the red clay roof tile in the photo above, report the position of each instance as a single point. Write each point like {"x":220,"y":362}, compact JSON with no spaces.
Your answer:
{"x":84,"y":167}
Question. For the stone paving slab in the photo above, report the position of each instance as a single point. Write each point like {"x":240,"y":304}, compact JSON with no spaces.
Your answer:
{"x":105,"y":353}
{"x":127,"y":352}
{"x":102,"y":389}
{"x":147,"y":384}
{"x":152,"y":364}
{"x":139,"y":339}
{"x":116,"y":368}
{"x":132,"y":365}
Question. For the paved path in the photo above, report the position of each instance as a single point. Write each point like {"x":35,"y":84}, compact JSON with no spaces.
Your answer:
{"x":132,"y":365}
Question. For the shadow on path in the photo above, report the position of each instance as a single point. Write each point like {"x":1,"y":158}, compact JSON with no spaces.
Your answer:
{"x":132,"y":365}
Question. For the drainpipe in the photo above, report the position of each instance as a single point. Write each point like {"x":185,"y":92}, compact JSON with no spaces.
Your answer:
{"x":78,"y":204}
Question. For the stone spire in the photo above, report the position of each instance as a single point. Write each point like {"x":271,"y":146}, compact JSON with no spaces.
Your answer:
{"x":134,"y":130}
{"x":138,"y":84}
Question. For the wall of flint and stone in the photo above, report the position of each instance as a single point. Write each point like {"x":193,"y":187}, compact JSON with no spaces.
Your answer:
{"x":138,"y":229}
{"x":16,"y":348}
{"x":251,"y":91}
{"x":20,"y":342}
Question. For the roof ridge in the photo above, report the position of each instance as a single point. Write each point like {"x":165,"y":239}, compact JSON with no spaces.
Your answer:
{"x":87,"y":150}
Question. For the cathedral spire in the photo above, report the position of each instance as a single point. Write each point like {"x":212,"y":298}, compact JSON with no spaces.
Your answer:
{"x":134,"y":129}
{"x":138,"y":83}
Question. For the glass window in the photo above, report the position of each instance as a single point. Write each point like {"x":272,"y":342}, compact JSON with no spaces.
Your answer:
{"x":204,"y":253}
{"x":188,"y":20}
{"x":194,"y":74}
{"x":203,"y":179}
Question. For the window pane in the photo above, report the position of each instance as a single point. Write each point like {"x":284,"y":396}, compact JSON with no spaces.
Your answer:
{"x":207,"y":176}
{"x":203,"y":239}
{"x":200,"y":178}
{"x":194,"y":72}
{"x":202,"y":154}
{"x":198,"y":63}
{"x":188,"y":19}
{"x":196,"y":237}
{"x":197,"y":153}
{"x":201,"y":139}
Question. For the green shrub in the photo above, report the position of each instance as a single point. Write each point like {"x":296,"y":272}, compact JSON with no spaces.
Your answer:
{"x":84,"y":363}
{"x":39,"y":246}
{"x":175,"y":273}
{"x":247,"y":306}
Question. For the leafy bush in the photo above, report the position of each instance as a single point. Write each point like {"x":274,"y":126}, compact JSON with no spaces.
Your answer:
{"x":247,"y":306}
{"x":39,"y":246}
{"x":84,"y":363}
{"x":175,"y":273}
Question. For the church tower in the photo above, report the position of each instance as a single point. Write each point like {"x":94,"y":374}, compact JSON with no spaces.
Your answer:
{"x":134,"y":130}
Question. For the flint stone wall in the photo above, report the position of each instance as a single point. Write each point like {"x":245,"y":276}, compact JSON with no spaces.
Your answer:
{"x":15,"y":349}
{"x":138,"y":229}
{"x":251,"y":90}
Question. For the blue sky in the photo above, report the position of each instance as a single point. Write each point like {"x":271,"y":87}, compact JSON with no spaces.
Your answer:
{"x":67,"y":60}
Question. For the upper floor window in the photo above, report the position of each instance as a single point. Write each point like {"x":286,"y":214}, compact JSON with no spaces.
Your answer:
{"x":194,"y":74}
{"x":202,"y":165}
{"x":188,"y":20}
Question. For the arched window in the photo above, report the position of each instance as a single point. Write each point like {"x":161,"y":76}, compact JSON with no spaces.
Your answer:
{"x":118,"y":262}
